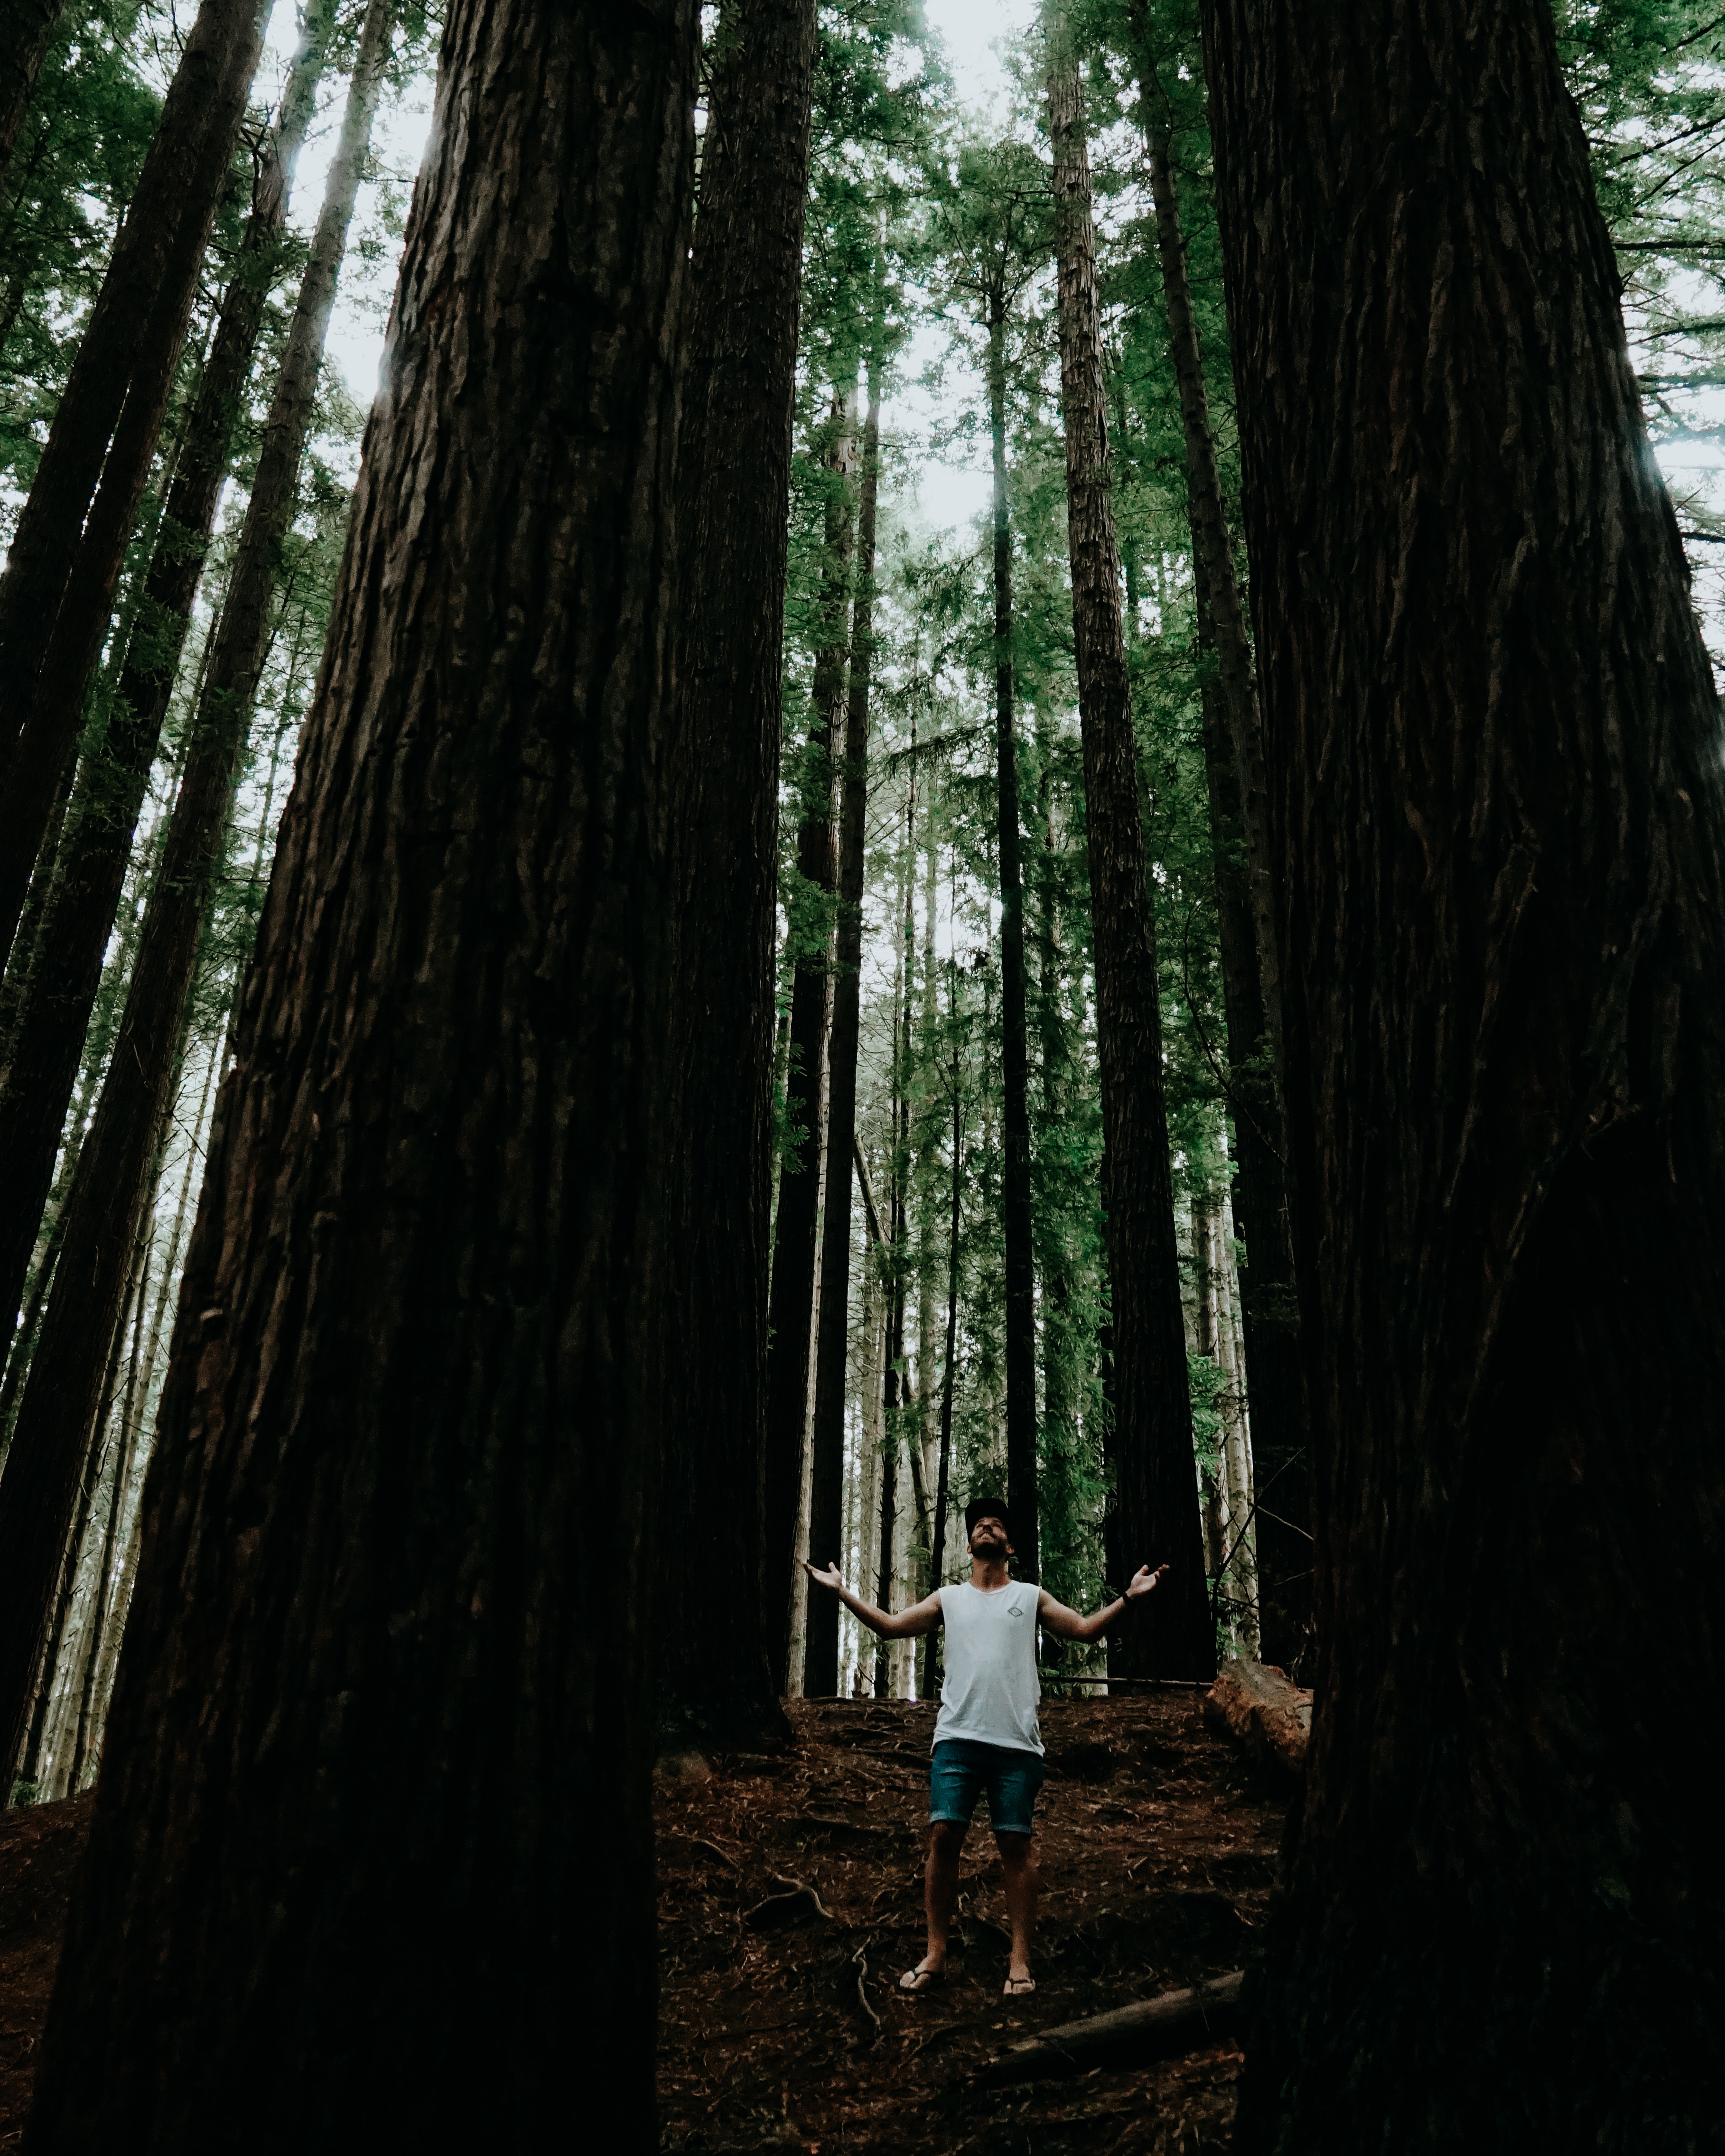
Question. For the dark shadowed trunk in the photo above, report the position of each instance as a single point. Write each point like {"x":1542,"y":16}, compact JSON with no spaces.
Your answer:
{"x":729,"y":1509}
{"x":26,"y":32}
{"x":74,"y":526}
{"x":827,"y":1432}
{"x":1156,"y":1491}
{"x":395,"y":1550}
{"x":1232,"y":744}
{"x":42,"y":1068}
{"x":1015,"y":1222}
{"x":107,"y":1194}
{"x":1498,"y":819}
{"x":793,"y":1351}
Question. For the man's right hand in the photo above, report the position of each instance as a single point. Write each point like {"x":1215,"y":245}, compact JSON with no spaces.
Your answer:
{"x":829,"y":1578}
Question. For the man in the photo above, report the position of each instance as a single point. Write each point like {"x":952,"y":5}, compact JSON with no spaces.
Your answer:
{"x":985,"y":1737}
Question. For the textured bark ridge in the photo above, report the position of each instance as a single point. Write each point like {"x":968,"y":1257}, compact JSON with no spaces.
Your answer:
{"x":1157,"y":1478}
{"x":370,"y":1857}
{"x":74,"y":529}
{"x":729,"y":1526}
{"x":1494,"y":753}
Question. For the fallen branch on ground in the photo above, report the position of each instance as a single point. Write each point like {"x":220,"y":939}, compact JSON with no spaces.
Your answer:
{"x":1130,"y":2036}
{"x":862,"y":1958}
{"x":1270,"y":1717}
{"x":800,"y":1901}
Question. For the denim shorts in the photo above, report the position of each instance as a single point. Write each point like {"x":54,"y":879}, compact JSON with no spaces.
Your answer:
{"x":962,"y":1770}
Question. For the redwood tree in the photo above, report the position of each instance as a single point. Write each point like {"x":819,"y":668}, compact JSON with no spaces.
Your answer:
{"x":796,"y":1253}
{"x":89,"y":874}
{"x":1498,"y":819}
{"x":82,"y":507}
{"x":371,"y":1858}
{"x":722,"y":1537}
{"x":57,"y":1420}
{"x":832,"y":1332}
{"x":1157,"y":1483}
{"x":1239,"y":831}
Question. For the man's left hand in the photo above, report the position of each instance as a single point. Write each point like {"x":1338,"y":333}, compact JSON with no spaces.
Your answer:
{"x":1142,"y":1580}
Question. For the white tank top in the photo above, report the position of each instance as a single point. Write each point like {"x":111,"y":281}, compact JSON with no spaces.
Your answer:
{"x":990,"y":1687}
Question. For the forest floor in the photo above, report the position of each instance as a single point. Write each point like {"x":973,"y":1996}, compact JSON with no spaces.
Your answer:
{"x":782,"y":2025}
{"x":780,"y":2022}
{"x":39,"y":1849}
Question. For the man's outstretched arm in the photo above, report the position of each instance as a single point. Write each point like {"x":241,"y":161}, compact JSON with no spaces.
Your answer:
{"x":920,"y":1617}
{"x":1055,"y":1617}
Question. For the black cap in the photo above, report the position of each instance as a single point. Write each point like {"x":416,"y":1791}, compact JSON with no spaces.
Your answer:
{"x":982,"y":1508}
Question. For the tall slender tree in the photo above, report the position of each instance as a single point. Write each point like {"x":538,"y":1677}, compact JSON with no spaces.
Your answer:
{"x":729,"y":1515}
{"x":82,"y":508}
{"x":1157,"y":1494}
{"x":1497,"y":806}
{"x":395,"y":1543}
{"x":833,"y":1340}
{"x":45,"y":1466}
{"x":42,"y":1067}
{"x":993,"y":226}
{"x":1015,"y":1213}
{"x":797,"y":1253}
{"x":1235,"y":777}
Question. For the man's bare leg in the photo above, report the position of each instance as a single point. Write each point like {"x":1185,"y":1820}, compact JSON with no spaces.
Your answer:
{"x":1023,"y":1882}
{"x":940,"y":1895}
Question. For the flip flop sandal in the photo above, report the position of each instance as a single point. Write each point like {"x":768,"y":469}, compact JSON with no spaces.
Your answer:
{"x":1018,"y":1986}
{"x":917,"y":1980}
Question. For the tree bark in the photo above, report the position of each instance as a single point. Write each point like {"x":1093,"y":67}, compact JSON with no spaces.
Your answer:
{"x":818,"y":863}
{"x":43,"y":1067}
{"x":107,"y":1194}
{"x":74,"y":526}
{"x":833,"y":1339}
{"x":729,"y":1511}
{"x":1015,"y":1221}
{"x":1498,"y":816}
{"x":395,"y":1544}
{"x":1157,"y":1494}
{"x":27,"y":30}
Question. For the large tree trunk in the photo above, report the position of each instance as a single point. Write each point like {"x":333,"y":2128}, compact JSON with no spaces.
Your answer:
{"x":74,"y":526}
{"x":1233,"y":747}
{"x":818,"y":863}
{"x":1157,"y":1482}
{"x":1499,"y":826}
{"x":396,"y":1555}
{"x":1016,"y":1220}
{"x":107,"y":1194}
{"x":833,"y":1341}
{"x":26,"y":32}
{"x":43,"y":1067}
{"x":728,"y":1530}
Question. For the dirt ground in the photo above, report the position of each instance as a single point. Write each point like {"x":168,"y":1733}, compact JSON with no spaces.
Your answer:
{"x":39,"y":1848}
{"x":782,"y":2025}
{"x":790,"y":1902}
